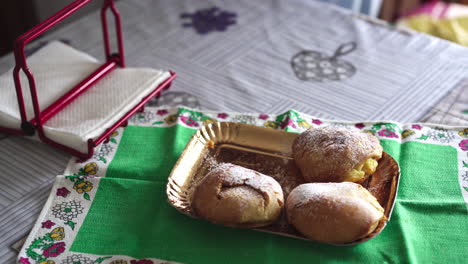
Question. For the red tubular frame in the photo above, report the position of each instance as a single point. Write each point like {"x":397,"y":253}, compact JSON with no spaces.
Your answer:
{"x":113,"y":60}
{"x":118,"y":28}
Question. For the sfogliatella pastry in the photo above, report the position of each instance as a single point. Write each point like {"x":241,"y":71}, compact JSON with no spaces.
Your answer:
{"x":336,"y":155}
{"x":333,"y":212}
{"x":236,"y":196}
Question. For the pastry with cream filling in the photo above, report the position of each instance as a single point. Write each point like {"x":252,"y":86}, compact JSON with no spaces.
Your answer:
{"x":335,"y":154}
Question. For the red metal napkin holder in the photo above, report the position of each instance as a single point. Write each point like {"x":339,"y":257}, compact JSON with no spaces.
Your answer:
{"x":29,"y":127}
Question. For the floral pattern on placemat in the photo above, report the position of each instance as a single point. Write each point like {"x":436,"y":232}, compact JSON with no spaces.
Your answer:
{"x":72,"y":194}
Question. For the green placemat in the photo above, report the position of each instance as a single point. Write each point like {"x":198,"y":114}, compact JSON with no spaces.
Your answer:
{"x":113,"y":209}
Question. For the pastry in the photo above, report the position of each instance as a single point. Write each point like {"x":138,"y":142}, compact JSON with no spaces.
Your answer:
{"x":335,"y":155}
{"x":236,"y":196}
{"x":333,"y":212}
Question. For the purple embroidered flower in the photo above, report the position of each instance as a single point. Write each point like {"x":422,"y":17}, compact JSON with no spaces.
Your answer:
{"x":222,"y":115}
{"x":189,"y":121}
{"x":47,"y":224}
{"x":54,"y":250}
{"x":62,"y":192}
{"x":208,"y":20}
{"x":263,"y":117}
{"x":287,"y":123}
{"x":464,"y":145}
{"x":387,"y":133}
{"x":418,"y":127}
{"x":360,"y":125}
{"x":162,"y":112}
{"x":316,"y":121}
{"x":24,"y":260}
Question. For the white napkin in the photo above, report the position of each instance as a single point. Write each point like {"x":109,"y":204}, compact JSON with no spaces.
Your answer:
{"x":57,"y":67}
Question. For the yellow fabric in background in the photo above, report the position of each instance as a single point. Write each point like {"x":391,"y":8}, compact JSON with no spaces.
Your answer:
{"x":454,"y":29}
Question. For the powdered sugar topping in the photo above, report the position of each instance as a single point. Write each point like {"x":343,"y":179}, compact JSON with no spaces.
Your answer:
{"x":236,"y":175}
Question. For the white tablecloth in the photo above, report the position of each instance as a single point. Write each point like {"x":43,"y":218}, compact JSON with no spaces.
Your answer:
{"x":247,"y":68}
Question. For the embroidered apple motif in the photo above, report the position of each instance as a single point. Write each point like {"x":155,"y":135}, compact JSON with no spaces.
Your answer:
{"x":317,"y":66}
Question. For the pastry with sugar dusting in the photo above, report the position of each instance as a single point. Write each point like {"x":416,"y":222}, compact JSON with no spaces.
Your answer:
{"x":336,"y":154}
{"x":236,"y":196}
{"x":334,"y":212}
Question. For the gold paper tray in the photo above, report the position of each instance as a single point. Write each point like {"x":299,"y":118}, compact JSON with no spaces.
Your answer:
{"x":267,"y":151}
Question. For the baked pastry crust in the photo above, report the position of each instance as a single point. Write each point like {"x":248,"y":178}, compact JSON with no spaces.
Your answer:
{"x":236,"y":196}
{"x":333,"y":212}
{"x":335,"y":155}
